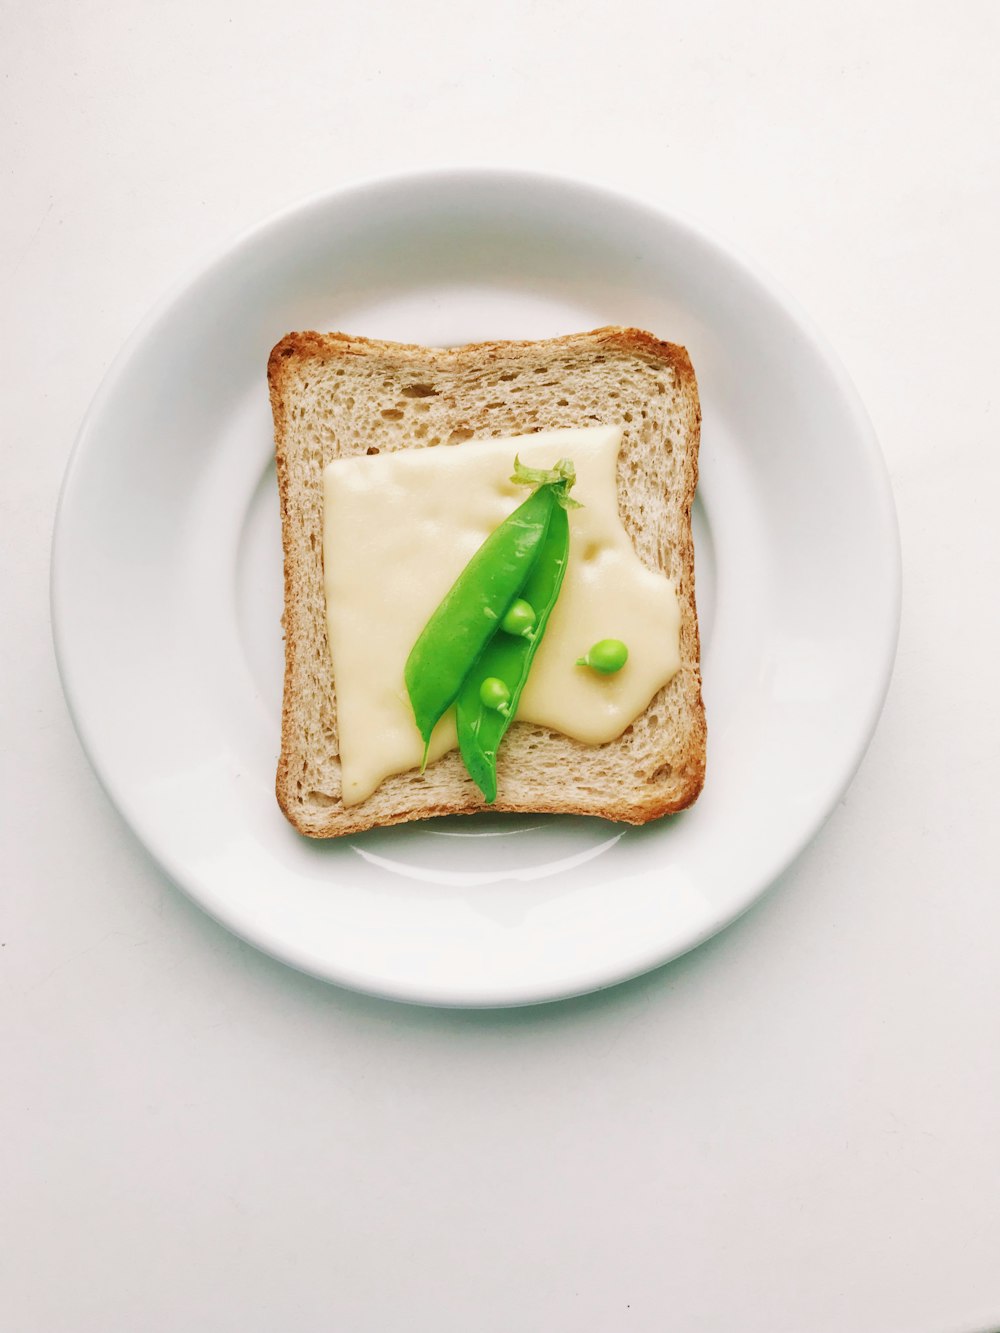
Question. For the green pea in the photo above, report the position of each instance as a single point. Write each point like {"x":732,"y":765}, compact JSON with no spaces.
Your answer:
{"x":607,"y":656}
{"x":493,"y":693}
{"x":519,"y":619}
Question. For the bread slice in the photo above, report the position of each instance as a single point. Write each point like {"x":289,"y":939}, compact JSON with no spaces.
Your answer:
{"x":333,"y":396}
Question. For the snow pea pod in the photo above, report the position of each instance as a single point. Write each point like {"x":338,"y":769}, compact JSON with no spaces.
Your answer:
{"x":471,"y":610}
{"x":508,"y":659}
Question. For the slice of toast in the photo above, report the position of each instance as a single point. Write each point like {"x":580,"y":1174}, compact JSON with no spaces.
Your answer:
{"x":333,"y":396}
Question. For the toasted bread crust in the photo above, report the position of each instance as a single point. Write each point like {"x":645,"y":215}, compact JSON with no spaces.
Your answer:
{"x":687,"y":766}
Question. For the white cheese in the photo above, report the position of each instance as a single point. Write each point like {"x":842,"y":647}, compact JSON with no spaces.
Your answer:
{"x":398,"y":530}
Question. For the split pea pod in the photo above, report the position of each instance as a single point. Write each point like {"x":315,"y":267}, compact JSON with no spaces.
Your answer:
{"x":470,"y":612}
{"x":506,"y":660}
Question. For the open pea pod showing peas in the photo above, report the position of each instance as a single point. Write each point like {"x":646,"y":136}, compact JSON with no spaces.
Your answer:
{"x":507,"y":659}
{"x":470,"y":613}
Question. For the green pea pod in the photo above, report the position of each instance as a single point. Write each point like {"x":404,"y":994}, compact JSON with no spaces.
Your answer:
{"x":468,"y":617}
{"x":509,"y":658}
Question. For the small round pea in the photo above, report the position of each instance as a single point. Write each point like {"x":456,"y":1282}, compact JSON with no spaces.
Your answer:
{"x":607,"y":656}
{"x":493,"y":693}
{"x":519,"y":618}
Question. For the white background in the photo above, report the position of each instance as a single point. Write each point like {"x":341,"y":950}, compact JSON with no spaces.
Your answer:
{"x":795,"y":1129}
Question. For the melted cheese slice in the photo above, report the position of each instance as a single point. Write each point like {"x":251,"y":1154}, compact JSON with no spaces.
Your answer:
{"x":398,"y":530}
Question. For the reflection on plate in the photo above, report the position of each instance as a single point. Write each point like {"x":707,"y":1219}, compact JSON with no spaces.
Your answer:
{"x":167,"y":591}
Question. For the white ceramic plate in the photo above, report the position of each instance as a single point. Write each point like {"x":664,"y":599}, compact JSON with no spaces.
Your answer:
{"x":166,"y":591}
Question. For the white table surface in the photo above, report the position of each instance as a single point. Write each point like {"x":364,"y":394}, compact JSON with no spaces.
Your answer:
{"x":795,"y":1129}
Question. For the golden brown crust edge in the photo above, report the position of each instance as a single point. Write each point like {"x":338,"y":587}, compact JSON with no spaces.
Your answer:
{"x":632,"y":340}
{"x":350,"y":820}
{"x":276,"y":364}
{"x":690,"y":636}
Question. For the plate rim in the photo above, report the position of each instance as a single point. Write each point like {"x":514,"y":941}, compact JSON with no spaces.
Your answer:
{"x":877,"y":474}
